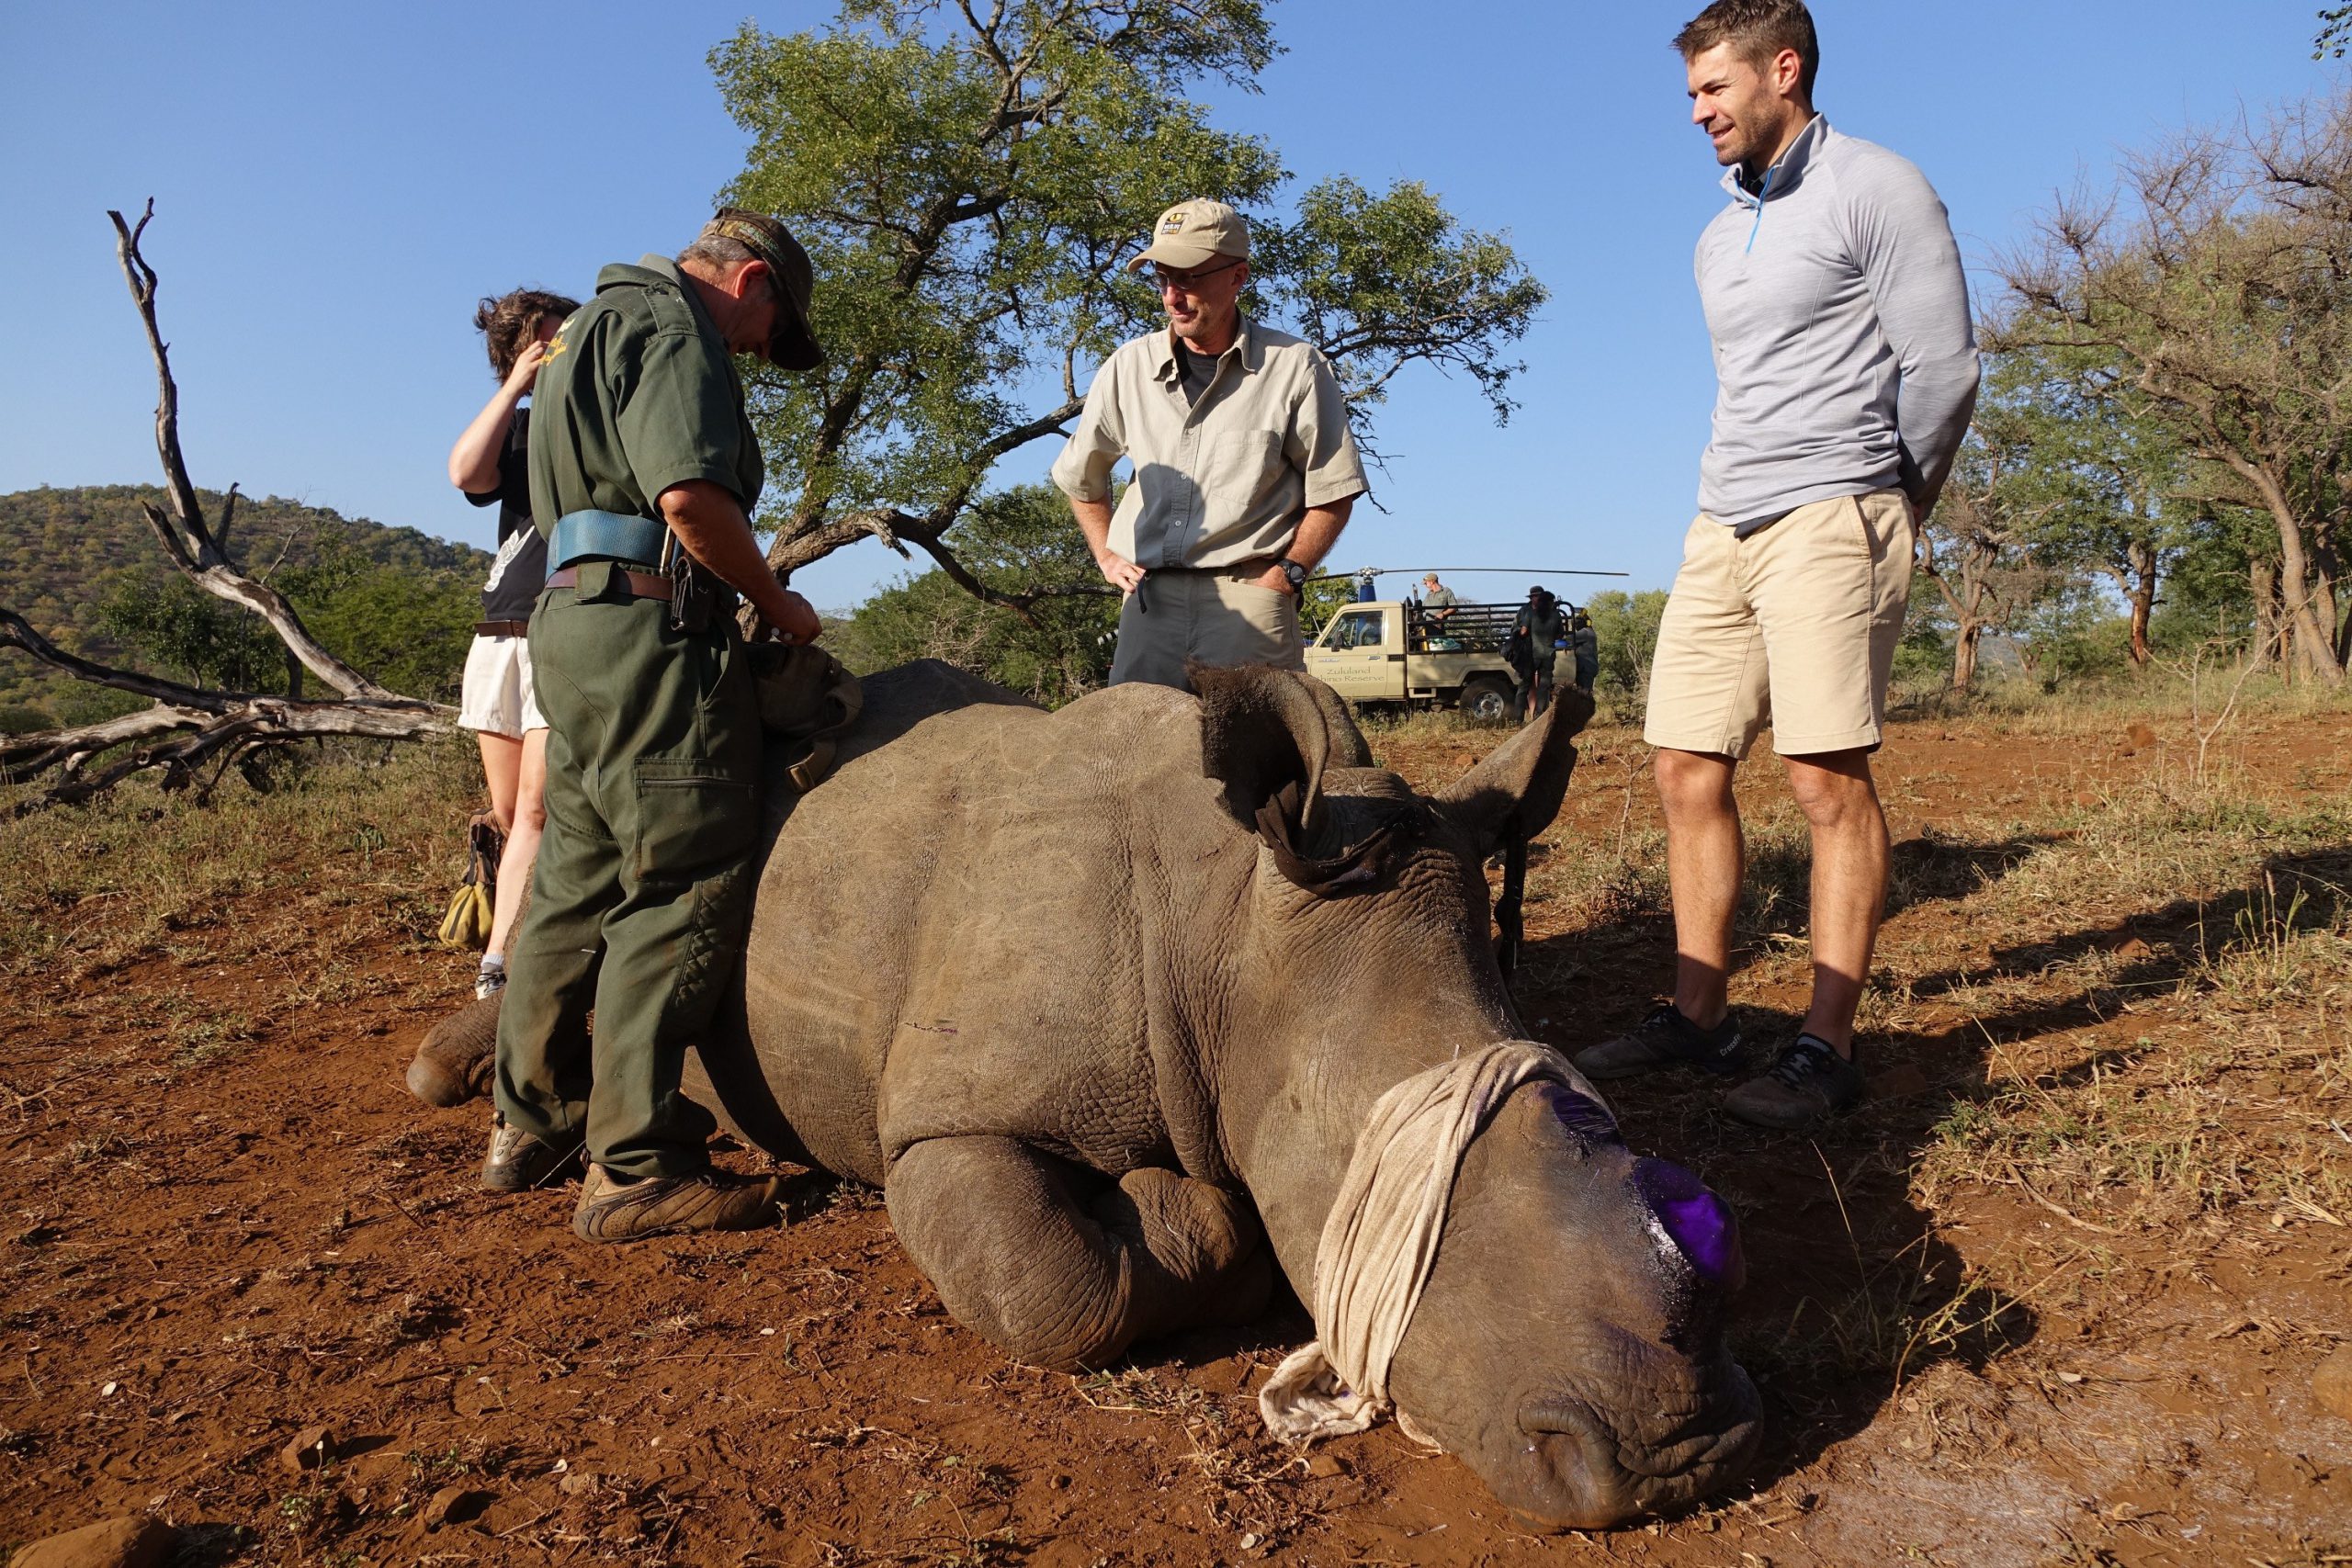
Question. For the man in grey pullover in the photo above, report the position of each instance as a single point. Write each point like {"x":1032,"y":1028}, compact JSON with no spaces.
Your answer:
{"x":1846,"y":373}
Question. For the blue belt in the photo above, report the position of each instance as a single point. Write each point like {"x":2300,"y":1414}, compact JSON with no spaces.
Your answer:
{"x":609,"y":535}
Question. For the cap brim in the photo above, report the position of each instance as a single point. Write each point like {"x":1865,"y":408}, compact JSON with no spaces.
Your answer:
{"x":1182,"y":258}
{"x":792,"y":346}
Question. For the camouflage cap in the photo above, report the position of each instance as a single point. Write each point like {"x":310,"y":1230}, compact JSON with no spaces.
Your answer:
{"x":792,"y":346}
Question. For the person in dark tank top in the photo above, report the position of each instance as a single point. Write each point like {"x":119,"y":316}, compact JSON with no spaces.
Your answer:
{"x":489,"y":463}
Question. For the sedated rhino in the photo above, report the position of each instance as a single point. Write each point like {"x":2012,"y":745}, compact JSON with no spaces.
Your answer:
{"x":1102,"y":999}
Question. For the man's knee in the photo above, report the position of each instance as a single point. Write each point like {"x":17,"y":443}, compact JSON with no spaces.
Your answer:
{"x":1833,"y":787}
{"x":1693,"y":783}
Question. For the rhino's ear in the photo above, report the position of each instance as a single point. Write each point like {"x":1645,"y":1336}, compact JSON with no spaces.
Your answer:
{"x":1349,"y":749}
{"x":1262,"y":731}
{"x":1516,"y":792}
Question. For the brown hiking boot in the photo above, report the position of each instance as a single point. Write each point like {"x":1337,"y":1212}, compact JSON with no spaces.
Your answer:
{"x":614,"y":1208}
{"x":516,"y":1162}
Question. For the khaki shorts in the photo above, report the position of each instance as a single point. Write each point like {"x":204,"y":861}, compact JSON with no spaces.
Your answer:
{"x":1222,"y":618}
{"x":1793,"y":626}
{"x":496,"y":696}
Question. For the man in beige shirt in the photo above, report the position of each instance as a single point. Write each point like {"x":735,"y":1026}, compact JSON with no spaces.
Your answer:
{"x":1244,"y":469}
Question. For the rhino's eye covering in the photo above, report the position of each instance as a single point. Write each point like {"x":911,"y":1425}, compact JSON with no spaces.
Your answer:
{"x":1585,"y":1119}
{"x":1701,"y":1223}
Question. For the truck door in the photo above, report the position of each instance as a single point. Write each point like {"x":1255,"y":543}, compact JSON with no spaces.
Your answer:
{"x":1362,"y":656}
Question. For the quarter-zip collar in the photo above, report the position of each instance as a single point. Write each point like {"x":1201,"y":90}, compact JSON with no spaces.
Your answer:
{"x":1787,"y":171}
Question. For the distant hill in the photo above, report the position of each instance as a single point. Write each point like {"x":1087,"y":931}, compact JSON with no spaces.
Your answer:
{"x":66,"y":552}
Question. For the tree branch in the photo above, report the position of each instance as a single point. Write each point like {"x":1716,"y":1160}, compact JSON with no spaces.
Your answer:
{"x":186,"y":536}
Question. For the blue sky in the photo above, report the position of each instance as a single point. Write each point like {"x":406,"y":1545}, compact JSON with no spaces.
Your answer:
{"x":335,"y":184}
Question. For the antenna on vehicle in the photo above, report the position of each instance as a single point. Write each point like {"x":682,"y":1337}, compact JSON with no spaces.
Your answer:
{"x":1461,"y":571}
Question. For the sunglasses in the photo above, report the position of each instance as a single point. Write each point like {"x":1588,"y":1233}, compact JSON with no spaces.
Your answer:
{"x":1190,"y":281}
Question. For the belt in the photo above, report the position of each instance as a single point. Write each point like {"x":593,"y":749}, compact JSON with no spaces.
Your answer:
{"x":612,"y":536}
{"x":640,"y":584}
{"x":1254,"y":566}
{"x":501,"y":629}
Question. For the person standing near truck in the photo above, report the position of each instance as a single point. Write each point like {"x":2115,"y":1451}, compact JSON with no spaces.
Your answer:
{"x":1539,"y":626}
{"x":1437,"y":607}
{"x":1244,"y":467}
{"x":1584,"y":644}
{"x":1848,"y":371}
{"x":644,"y":471}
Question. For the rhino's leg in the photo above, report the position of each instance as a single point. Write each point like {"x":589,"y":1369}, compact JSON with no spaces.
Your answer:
{"x":1061,"y":1267}
{"x":454,"y":1063}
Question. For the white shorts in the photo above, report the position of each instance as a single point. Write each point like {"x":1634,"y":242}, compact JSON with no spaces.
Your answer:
{"x":497,"y":696}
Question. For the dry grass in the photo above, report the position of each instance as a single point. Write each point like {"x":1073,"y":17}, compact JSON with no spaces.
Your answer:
{"x":2123,"y":991}
{"x":366,"y":841}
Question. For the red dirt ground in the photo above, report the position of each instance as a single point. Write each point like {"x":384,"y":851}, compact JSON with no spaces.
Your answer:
{"x":200,"y":1263}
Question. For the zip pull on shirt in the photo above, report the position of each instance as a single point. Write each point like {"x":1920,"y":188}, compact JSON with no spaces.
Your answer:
{"x":1845,"y":358}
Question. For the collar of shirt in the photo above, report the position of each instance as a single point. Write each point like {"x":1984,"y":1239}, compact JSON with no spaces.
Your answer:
{"x":653,"y":269}
{"x":1245,"y":347}
{"x":1787,"y":172}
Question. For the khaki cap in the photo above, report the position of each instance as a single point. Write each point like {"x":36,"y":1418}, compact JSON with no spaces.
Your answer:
{"x":792,"y":346}
{"x":1192,"y":232}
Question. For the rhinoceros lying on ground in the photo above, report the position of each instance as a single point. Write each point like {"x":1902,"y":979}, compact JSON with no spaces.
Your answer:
{"x":1102,"y":1000}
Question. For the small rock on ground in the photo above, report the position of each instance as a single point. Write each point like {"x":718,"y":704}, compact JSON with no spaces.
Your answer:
{"x":140,"y":1541}
{"x":452,"y":1506}
{"x":2332,"y":1381}
{"x":311,"y":1446}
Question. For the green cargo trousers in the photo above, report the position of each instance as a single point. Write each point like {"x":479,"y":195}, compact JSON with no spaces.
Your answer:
{"x":644,"y":878}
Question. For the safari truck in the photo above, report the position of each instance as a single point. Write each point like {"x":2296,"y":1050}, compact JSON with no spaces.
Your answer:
{"x":1391,"y":650}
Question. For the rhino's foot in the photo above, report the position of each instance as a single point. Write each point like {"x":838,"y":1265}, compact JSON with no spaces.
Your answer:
{"x":1062,"y":1269}
{"x":455,"y":1061}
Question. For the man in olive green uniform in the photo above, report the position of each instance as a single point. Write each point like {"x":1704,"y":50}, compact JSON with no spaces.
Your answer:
{"x":641,"y":452}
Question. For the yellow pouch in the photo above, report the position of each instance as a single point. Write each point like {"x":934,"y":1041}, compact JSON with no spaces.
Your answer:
{"x":473,"y":906}
{"x":466,"y":925}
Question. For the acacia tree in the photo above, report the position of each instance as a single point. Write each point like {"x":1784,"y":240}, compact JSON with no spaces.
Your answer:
{"x":2219,"y":283}
{"x":188,"y":726}
{"x":1973,"y":545}
{"x":971,"y":178}
{"x":2120,"y":501}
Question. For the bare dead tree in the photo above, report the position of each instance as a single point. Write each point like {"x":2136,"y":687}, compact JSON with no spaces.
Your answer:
{"x":189,"y":728}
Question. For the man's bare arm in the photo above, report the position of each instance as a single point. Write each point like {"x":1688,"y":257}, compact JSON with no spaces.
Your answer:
{"x":711,"y":528}
{"x":1094,"y":521}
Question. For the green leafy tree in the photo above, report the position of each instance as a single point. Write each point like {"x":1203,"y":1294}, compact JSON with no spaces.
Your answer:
{"x":2218,"y":285}
{"x":190,"y":634}
{"x":969,"y":180}
{"x":1015,"y":542}
{"x":1625,"y":625}
{"x":2116,"y":484}
{"x":2334,"y":33}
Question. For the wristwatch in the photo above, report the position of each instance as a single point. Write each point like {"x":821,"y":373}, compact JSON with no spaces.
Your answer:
{"x":1292,"y":573}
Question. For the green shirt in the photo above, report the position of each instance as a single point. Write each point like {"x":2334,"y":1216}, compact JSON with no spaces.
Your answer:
{"x":637,"y":393}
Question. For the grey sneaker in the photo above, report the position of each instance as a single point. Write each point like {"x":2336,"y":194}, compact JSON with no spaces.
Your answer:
{"x":615,"y":1207}
{"x":488,"y":980}
{"x":1809,"y":1084}
{"x":516,"y":1162}
{"x":1664,"y":1039}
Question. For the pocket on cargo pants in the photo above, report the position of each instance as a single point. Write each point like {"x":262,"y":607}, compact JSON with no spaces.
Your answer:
{"x":692,"y":815}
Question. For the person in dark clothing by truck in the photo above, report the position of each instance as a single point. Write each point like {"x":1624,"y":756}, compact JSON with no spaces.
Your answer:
{"x":1536,"y":630}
